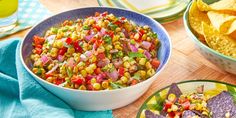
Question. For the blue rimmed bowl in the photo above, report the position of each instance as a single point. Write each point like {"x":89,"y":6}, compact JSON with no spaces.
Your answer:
{"x":97,"y":100}
{"x":222,"y":61}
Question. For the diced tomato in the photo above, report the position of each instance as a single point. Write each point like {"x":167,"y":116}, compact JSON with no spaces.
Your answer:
{"x":69,"y":41}
{"x":142,"y":31}
{"x":39,"y":46}
{"x":104,"y":14}
{"x":78,"y":80}
{"x":62,"y":51}
{"x":121,"y":71}
{"x":48,"y":75}
{"x":118,"y":23}
{"x":38,"y":40}
{"x":90,"y":87}
{"x":97,"y":14}
{"x":171,"y":114}
{"x":97,"y":71}
{"x":122,"y":18}
{"x":186,"y":105}
{"x":134,"y":81}
{"x":92,"y":40}
{"x":99,"y":42}
{"x":97,"y":27}
{"x":77,"y":47}
{"x":101,"y":56}
{"x":167,"y":106}
{"x":38,"y":50}
{"x":59,"y":81}
{"x":111,"y":34}
{"x":152,"y":47}
{"x":155,"y":63}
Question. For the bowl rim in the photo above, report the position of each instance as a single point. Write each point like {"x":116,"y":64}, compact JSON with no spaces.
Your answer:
{"x":101,"y":91}
{"x":181,"y":82}
{"x":195,"y":39}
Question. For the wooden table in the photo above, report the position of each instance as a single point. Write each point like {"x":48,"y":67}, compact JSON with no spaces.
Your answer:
{"x":186,"y":62}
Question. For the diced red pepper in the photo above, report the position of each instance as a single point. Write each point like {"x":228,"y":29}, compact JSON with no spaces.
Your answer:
{"x":62,"y":51}
{"x":141,"y":31}
{"x":97,"y":27}
{"x":118,"y":23}
{"x":97,"y":71}
{"x":38,"y":40}
{"x":39,"y":46}
{"x":171,"y":114}
{"x":97,"y":14}
{"x":152,"y":47}
{"x":134,"y":81}
{"x":38,"y":50}
{"x":92,"y":40}
{"x":121,"y":71}
{"x":69,"y":41}
{"x":90,"y":87}
{"x":111,"y":34}
{"x":155,"y":63}
{"x":104,"y":14}
{"x":101,"y":56}
{"x":122,"y":18}
{"x":186,"y":105}
{"x":99,"y":42}
{"x":77,"y":47}
{"x":48,"y":75}
{"x":59,"y":81}
{"x":78,"y":80}
{"x":167,"y":106}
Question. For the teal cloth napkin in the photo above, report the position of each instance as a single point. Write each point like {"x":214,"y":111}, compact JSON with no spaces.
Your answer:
{"x":29,"y":13}
{"x":22,"y":97}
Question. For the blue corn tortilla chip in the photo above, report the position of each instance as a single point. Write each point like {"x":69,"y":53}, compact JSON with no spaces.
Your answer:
{"x":174,"y":89}
{"x":200,"y":114}
{"x":149,"y":114}
{"x":221,"y":104}
{"x":188,"y":114}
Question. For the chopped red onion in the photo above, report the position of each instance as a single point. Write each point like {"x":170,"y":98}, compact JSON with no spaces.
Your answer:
{"x":88,"y":37}
{"x":71,"y":62}
{"x":146,"y":44}
{"x":44,"y":59}
{"x":60,"y":58}
{"x":103,"y":62}
{"x":147,"y":54}
{"x":133,"y":48}
{"x":113,"y":75}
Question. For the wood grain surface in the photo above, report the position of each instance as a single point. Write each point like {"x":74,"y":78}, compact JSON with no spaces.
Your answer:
{"x":186,"y":62}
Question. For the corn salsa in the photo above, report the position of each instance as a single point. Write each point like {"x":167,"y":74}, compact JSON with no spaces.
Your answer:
{"x":100,"y":52}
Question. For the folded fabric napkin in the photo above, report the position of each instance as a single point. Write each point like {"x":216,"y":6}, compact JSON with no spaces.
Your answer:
{"x":22,"y":97}
{"x":29,"y":13}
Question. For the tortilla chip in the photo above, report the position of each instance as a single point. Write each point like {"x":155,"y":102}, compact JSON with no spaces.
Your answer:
{"x":232,"y":28}
{"x":219,"y":42}
{"x":202,"y":6}
{"x":174,"y":89}
{"x":221,"y":104}
{"x":188,"y":114}
{"x":149,"y":114}
{"x":224,"y":5}
{"x":222,"y":22}
{"x":196,"y":17}
{"x":233,"y":35}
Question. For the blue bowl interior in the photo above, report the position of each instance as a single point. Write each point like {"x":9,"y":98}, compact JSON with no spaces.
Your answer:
{"x":163,"y":52}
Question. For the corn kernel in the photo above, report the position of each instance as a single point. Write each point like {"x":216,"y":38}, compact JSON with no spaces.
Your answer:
{"x":118,"y":29}
{"x":126,"y":58}
{"x":89,"y":70}
{"x":126,"y":74}
{"x":174,"y":107}
{"x":124,"y":79}
{"x":83,"y":73}
{"x":169,"y":110}
{"x":101,"y":49}
{"x":150,"y":72}
{"x":148,"y":65}
{"x":105,"y":84}
{"x":140,"y":50}
{"x":171,"y":97}
{"x":93,"y":80}
{"x":149,"y":39}
{"x":70,"y":50}
{"x":136,"y":36}
{"x":142,"y":74}
{"x":53,"y":52}
{"x":142,"y":61}
{"x":49,"y":79}
{"x":96,"y":86}
{"x":82,"y":87}
{"x":115,"y":38}
{"x":58,"y":44}
{"x":108,"y":47}
{"x":144,"y":37}
{"x":126,"y":64}
{"x":118,"y":47}
{"x":76,"y":69}
{"x":93,"y":59}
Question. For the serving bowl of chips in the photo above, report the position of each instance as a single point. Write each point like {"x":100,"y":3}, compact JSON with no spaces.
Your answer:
{"x":211,"y":24}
